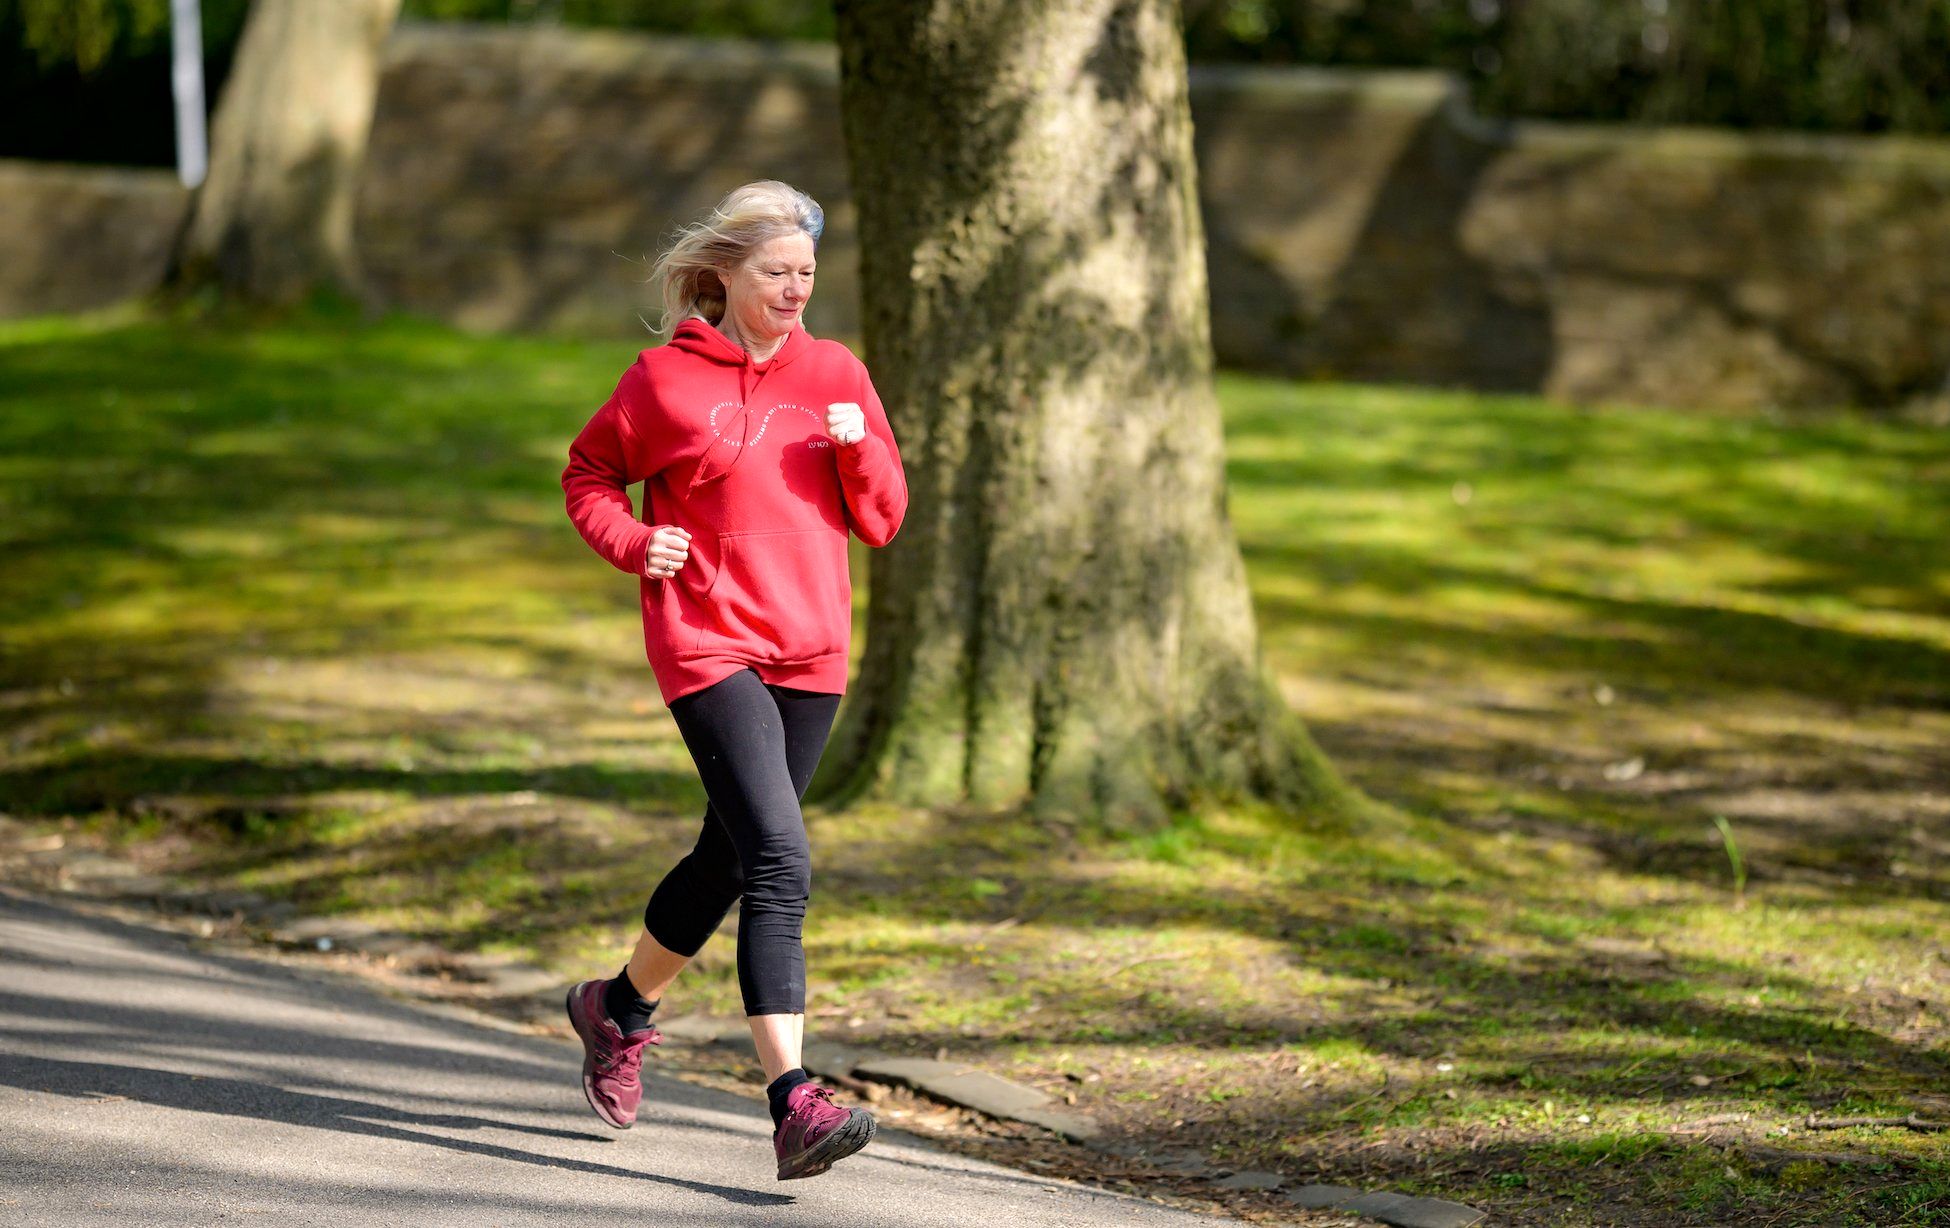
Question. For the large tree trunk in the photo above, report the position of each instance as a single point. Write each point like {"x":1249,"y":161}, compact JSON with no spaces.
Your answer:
{"x":274,"y":219}
{"x":1063,"y":619}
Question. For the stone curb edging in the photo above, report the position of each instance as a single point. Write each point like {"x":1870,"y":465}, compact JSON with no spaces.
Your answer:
{"x":86,"y":872}
{"x":949,"y":1082}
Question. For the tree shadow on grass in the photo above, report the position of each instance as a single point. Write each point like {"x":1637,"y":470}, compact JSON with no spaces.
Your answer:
{"x":184,"y":496}
{"x":527,"y":873}
{"x":121,"y":782}
{"x":533,"y":881}
{"x":1466,"y":994}
{"x":1674,"y":646}
{"x":1847,"y":505}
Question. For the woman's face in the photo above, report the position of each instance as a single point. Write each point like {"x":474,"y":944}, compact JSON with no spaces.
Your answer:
{"x":765,"y":295}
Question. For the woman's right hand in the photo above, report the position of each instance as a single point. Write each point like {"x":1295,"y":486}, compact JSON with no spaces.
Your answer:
{"x":670,"y":548}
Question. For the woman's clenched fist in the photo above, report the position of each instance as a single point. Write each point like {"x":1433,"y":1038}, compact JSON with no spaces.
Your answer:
{"x":670,"y":548}
{"x":846,"y":422}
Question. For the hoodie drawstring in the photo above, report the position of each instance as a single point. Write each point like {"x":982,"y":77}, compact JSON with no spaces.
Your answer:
{"x":749,"y":378}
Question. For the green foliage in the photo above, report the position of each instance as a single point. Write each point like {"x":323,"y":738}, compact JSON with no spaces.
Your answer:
{"x":85,"y":32}
{"x":88,"y":80}
{"x":1841,"y":65}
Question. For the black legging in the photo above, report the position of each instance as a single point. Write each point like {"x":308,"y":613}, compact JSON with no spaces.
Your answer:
{"x":756,"y":745}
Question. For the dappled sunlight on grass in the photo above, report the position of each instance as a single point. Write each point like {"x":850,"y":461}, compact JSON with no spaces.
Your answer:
{"x":295,"y":608}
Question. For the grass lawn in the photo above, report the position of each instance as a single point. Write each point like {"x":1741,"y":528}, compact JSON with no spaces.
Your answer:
{"x":295,"y":607}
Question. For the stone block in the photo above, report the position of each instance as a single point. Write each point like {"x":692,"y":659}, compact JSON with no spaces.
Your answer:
{"x":955,"y":1083}
{"x":1407,"y":1211}
{"x":1321,"y":1197}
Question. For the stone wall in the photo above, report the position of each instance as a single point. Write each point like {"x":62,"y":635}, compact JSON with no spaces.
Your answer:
{"x":75,"y":237}
{"x":1360,"y":225}
{"x":523,"y":177}
{"x":1371,"y":227}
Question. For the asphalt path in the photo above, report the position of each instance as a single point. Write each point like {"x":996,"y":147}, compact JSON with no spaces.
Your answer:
{"x":146,"y":1079}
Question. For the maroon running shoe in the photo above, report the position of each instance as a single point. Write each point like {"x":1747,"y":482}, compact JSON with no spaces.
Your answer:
{"x":817,"y":1132}
{"x":611,"y":1061}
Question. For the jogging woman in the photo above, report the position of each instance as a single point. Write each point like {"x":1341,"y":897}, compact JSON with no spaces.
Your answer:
{"x":759,"y":449}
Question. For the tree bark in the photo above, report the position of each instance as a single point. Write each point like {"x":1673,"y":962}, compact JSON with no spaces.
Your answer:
{"x":1063,"y":620}
{"x":273,"y":221}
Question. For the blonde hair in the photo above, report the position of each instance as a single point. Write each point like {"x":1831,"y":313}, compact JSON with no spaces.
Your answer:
{"x":687,"y":271}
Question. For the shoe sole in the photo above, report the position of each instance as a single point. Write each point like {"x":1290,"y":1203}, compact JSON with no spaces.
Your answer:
{"x":841,"y":1143}
{"x":588,"y":1069}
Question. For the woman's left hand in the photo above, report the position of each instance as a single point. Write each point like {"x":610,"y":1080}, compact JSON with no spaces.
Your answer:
{"x":846,"y":422}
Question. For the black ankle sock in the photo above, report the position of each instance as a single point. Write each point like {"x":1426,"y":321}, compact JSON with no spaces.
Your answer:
{"x":626,"y":1008}
{"x":778,"y":1089}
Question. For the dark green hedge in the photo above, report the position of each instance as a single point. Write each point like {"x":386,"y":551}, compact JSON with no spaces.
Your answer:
{"x":1834,"y":65}
{"x":88,"y":80}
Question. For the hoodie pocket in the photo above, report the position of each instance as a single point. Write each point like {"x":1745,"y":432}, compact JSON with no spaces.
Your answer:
{"x":780,"y":595}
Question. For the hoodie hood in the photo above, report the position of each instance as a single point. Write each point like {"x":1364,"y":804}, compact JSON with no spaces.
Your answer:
{"x":699,"y":336}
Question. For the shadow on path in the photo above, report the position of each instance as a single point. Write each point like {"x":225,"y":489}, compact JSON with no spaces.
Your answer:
{"x":237,"y":1098}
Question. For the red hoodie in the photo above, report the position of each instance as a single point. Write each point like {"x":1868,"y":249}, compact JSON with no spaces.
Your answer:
{"x":736,"y":452}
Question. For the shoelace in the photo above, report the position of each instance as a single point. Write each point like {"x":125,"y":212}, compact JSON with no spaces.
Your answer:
{"x":820,"y":1092}
{"x":616,"y":1053}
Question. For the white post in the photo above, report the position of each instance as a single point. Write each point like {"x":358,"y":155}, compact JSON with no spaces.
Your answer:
{"x":186,"y":76}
